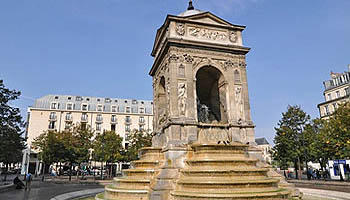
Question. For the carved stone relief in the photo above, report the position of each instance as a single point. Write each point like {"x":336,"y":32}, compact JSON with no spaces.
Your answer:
{"x":239,"y":102}
{"x":182,"y":98}
{"x":188,"y":58}
{"x":214,"y":135}
{"x":180,"y":29}
{"x":233,"y":36}
{"x":208,"y":34}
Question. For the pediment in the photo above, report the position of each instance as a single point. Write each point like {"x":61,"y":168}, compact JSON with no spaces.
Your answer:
{"x":209,"y":18}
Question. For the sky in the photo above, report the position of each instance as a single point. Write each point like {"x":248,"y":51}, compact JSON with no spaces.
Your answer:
{"x":102,"y":48}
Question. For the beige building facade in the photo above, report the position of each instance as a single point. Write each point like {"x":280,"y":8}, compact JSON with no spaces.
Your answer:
{"x":337,"y":91}
{"x":266,"y":148}
{"x":60,"y":112}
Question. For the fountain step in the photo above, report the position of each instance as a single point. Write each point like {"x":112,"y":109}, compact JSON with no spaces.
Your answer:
{"x":191,"y":182}
{"x":226,"y":172}
{"x":122,"y":194}
{"x":235,"y":190}
{"x":146,"y":173}
{"x":142,"y":164}
{"x":281,"y":194}
{"x":213,"y":162}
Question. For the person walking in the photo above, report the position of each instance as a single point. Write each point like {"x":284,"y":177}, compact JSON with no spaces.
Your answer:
{"x":29,"y":178}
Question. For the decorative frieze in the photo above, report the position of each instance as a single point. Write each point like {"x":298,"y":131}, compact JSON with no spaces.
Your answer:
{"x":188,"y":58}
{"x":208,"y":34}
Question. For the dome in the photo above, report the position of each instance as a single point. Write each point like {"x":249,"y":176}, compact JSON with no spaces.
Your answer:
{"x":190,"y":12}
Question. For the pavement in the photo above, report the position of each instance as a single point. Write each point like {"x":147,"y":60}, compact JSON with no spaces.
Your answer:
{"x":325,"y":194}
{"x":55,"y":189}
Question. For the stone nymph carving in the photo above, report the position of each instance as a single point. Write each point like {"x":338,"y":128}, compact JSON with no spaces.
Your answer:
{"x":239,"y":102}
{"x":182,"y":98}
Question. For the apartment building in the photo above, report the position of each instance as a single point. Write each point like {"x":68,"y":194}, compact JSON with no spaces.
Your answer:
{"x":59,"y":112}
{"x":336,"y":91}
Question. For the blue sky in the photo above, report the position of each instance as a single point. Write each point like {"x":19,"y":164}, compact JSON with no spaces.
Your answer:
{"x":102,"y":48}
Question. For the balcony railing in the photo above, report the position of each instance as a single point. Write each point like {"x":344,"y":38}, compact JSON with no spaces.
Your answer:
{"x":113,"y":120}
{"x":69,"y":118}
{"x":53,"y":117}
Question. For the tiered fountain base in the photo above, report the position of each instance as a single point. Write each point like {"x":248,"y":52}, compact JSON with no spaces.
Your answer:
{"x":211,"y":172}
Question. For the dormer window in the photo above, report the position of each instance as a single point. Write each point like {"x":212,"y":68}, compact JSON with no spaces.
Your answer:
{"x":78,"y":98}
{"x":114,"y":109}
{"x":69,"y":106}
{"x":54,"y":105}
{"x":84,"y":107}
{"x":127,"y":109}
{"x":99,"y":108}
{"x":142,"y":110}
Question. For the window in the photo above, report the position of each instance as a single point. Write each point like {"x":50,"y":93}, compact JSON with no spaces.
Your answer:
{"x":99,"y":108}
{"x":347,"y":91}
{"x":113,"y":127}
{"x":98,"y":127}
{"x":326,"y":110}
{"x":56,"y":97}
{"x":127,"y":119}
{"x":69,"y":106}
{"x":127,"y":128}
{"x":87,"y":99}
{"x":52,"y":116}
{"x":84,"y":107}
{"x":141,"y":127}
{"x":108,"y":100}
{"x":114,"y":109}
{"x":99,"y":118}
{"x":334,"y":106}
{"x":69,"y":117}
{"x":142,"y":120}
{"x":142,"y":110}
{"x":69,"y":98}
{"x":337,"y":94}
{"x":84,"y":117}
{"x":98,"y":100}
{"x":128,"y":109}
{"x":78,"y":98}
{"x":54,"y":105}
{"x":114,"y":119}
{"x":52,"y":125}
{"x":329,"y":97}
{"x":134,"y":101}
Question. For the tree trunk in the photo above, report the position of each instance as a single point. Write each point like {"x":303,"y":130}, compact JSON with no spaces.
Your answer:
{"x":299,"y":166}
{"x":70,"y":171}
{"x":296,"y":169}
{"x":6,"y":171}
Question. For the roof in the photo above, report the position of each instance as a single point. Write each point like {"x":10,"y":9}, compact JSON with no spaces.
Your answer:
{"x":92,"y":103}
{"x":261,"y":141}
{"x":190,"y":12}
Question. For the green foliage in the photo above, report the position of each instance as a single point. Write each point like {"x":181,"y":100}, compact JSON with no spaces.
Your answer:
{"x":11,"y":141}
{"x":138,"y":140}
{"x":71,"y":145}
{"x":291,"y":141}
{"x":108,"y":147}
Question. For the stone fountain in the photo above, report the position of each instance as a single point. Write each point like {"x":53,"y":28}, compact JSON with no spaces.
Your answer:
{"x":204,"y":144}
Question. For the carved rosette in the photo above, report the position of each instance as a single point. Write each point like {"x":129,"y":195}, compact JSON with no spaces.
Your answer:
{"x":188,"y":58}
{"x":174,"y":58}
{"x":180,"y":29}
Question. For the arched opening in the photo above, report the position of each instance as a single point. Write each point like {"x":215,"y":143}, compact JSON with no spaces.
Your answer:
{"x":161,"y":99}
{"x":211,"y":95}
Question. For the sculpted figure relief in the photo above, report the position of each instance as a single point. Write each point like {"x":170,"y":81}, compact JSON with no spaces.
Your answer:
{"x":182,"y":97}
{"x":239,"y":101}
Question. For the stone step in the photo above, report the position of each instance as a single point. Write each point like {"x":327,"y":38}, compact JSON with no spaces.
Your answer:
{"x":132,"y":183}
{"x":143,"y":164}
{"x":150,"y":153}
{"x":221,"y":162}
{"x":225,"y":183}
{"x":277,"y":195}
{"x":225,"y":172}
{"x":114,"y":193}
{"x":145,"y":173}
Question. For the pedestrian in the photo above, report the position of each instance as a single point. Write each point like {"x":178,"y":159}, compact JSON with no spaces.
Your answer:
{"x":29,"y":178}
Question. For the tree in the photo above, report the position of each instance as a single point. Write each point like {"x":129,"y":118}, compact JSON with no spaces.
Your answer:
{"x":137,"y":140}
{"x":11,"y":124}
{"x":108,"y":147}
{"x":291,"y":142}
